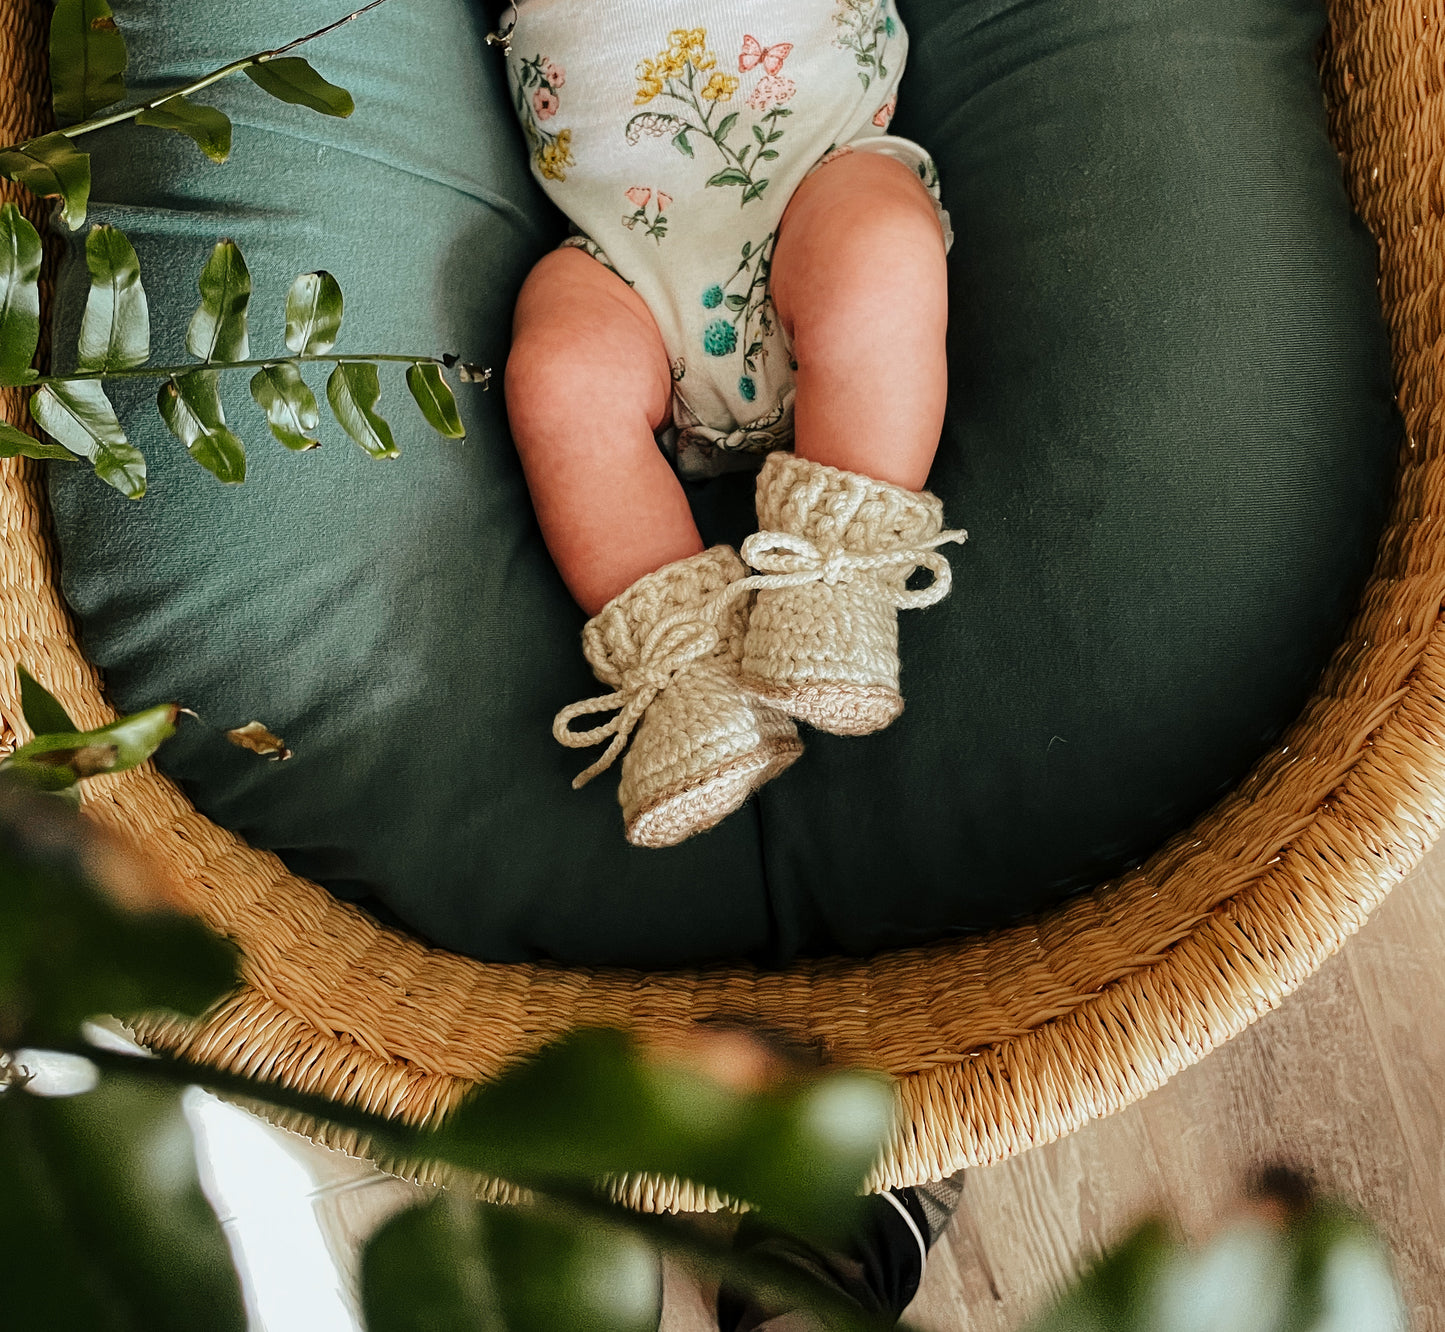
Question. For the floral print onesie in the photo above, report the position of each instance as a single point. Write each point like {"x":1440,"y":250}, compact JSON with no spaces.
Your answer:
{"x":673,"y":133}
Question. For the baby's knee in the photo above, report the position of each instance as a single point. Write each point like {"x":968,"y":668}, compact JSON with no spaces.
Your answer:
{"x":574,"y":358}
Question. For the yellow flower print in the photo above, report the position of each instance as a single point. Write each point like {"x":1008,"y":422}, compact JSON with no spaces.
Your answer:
{"x":552,"y":158}
{"x":720,"y":87}
{"x":685,"y":79}
{"x":690,"y":41}
{"x":649,"y":82}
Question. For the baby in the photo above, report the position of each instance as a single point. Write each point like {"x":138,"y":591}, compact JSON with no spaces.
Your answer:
{"x":756,"y":266}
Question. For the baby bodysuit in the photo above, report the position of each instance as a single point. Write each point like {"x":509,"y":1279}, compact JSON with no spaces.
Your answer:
{"x":672,"y":133}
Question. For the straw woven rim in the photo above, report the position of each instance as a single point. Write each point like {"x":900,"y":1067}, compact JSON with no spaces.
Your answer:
{"x":999,"y":1042}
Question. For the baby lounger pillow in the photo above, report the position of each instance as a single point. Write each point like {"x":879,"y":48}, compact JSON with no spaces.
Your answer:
{"x":1170,"y":437}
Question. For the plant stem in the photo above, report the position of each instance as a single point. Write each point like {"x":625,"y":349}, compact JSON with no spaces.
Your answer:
{"x":166,"y":371}
{"x":235,"y":67}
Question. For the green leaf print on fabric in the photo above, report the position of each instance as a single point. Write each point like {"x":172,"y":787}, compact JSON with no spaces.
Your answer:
{"x":687,"y":74}
{"x":865,"y":28}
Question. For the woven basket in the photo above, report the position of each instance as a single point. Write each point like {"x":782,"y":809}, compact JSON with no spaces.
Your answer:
{"x":999,"y":1042}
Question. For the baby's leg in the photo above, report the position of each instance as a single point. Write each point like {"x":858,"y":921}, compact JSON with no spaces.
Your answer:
{"x":588,"y":383}
{"x":860,"y":284}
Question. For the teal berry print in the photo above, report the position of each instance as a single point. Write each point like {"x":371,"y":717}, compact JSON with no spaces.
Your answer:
{"x":745,"y":297}
{"x":748,"y":388}
{"x":720,"y":338}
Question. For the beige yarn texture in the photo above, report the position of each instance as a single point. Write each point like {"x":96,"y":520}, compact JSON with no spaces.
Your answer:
{"x":999,"y":1042}
{"x":670,"y":646}
{"x":834,"y":554}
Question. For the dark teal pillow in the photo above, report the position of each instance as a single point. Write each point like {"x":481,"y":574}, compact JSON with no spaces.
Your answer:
{"x":1170,"y":436}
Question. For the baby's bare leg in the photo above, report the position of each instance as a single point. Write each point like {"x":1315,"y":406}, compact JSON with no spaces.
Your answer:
{"x":860,"y":284}
{"x":588,"y":383}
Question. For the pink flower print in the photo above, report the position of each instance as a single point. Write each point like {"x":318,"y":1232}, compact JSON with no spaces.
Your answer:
{"x":640,"y":196}
{"x":554,"y":74}
{"x":772,"y":90}
{"x":546,"y":103}
{"x":884,"y":114}
{"x":664,"y":202}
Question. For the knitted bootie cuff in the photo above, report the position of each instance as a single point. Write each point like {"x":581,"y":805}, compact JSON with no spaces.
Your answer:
{"x":831,"y":507}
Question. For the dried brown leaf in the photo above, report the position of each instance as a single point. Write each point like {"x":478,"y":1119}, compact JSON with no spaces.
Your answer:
{"x":255,"y":737}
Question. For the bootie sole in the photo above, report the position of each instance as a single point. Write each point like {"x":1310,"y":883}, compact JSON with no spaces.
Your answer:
{"x":839,"y":707}
{"x":704,"y":801}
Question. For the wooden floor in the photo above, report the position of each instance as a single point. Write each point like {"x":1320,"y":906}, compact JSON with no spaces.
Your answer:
{"x":1345,"y":1080}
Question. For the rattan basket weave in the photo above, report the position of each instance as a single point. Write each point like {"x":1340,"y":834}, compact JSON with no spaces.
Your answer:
{"x":999,"y":1042}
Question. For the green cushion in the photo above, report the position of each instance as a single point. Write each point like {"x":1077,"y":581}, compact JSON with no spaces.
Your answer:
{"x":1171,"y":438}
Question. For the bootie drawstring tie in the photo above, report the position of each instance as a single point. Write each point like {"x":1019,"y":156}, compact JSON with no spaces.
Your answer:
{"x":673,"y":644}
{"x":783,"y":559}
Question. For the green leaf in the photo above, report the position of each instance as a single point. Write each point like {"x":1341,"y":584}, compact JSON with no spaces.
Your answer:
{"x":87,"y":59}
{"x":1238,"y":1283}
{"x":730,"y":176}
{"x":724,"y":126}
{"x":52,"y":167}
{"x":16,"y":443}
{"x":353,"y":391}
{"x":758,"y":134}
{"x":683,"y":144}
{"x":455,"y":1264}
{"x":20,"y":256}
{"x":754,"y":191}
{"x":115,"y":332}
{"x":291,"y":79}
{"x":592,"y":1106}
{"x":289,"y":404}
{"x":736,"y":302}
{"x":79,"y":416}
{"x":79,"y":935}
{"x":75,"y":755}
{"x":105,"y":1218}
{"x":1343,"y":1276}
{"x":190,"y":405}
{"x":434,"y":396}
{"x":40,"y":708}
{"x":218,"y":328}
{"x":768,"y":155}
{"x":1120,"y":1292}
{"x":313,"y":314}
{"x":210,"y":128}
{"x":426,"y":1269}
{"x":555,"y":1276}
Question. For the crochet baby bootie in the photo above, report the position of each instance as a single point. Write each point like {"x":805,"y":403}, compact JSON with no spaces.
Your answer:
{"x":833,"y":557}
{"x":669,"y":646}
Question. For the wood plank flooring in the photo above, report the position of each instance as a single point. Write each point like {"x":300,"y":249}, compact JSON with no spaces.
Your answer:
{"x":1346,"y":1080}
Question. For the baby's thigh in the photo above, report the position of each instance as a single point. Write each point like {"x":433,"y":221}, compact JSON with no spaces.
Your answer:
{"x":584,"y":341}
